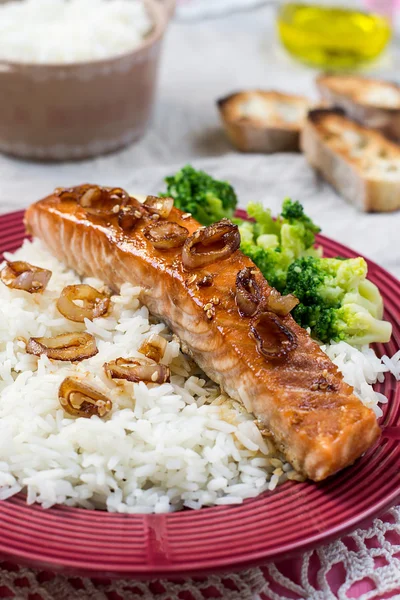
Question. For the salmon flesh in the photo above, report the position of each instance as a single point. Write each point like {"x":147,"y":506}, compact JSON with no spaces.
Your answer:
{"x":299,"y":399}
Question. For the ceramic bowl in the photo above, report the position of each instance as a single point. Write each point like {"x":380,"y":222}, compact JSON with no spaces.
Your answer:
{"x":80,"y":110}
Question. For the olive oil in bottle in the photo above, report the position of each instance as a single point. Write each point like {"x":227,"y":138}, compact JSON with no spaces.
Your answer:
{"x":332,"y":37}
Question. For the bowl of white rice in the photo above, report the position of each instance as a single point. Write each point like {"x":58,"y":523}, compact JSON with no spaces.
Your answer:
{"x":77,"y":77}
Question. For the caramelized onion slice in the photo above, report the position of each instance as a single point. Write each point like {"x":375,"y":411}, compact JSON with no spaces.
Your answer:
{"x":137,"y":369}
{"x":247,"y":293}
{"x":94,"y":303}
{"x":104,"y":202}
{"x":211,"y":244}
{"x":73,"y":194}
{"x":88,"y":195}
{"x":159,"y":206}
{"x":165,"y":235}
{"x":67,"y":346}
{"x":119,"y":195}
{"x":154,"y":347}
{"x":273,"y":338}
{"x":97,"y":200}
{"x":81,"y":400}
{"x":205,"y":281}
{"x":21,"y":275}
{"x":91,"y":197}
{"x":128,"y":216}
{"x":281,"y":305}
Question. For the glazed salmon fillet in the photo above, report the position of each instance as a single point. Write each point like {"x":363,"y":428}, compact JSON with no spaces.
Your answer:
{"x":298,"y":396}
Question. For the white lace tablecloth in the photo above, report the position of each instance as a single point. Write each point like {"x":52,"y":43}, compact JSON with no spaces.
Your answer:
{"x":203,"y":61}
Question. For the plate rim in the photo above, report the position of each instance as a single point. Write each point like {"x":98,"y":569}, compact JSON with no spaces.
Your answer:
{"x":197,"y":568}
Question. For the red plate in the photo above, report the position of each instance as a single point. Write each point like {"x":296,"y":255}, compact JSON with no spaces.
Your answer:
{"x":274,"y":525}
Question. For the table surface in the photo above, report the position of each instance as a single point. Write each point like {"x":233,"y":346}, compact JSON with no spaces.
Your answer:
{"x":203,"y":61}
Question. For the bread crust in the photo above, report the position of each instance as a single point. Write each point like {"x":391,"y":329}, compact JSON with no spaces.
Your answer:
{"x":360,"y":163}
{"x":263,"y":121}
{"x":372,"y":102}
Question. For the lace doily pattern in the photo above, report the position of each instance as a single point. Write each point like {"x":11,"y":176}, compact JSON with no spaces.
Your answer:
{"x":364,"y":565}
{"x":26,"y":584}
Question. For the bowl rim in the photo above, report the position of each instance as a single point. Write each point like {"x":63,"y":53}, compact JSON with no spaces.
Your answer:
{"x":160,"y":15}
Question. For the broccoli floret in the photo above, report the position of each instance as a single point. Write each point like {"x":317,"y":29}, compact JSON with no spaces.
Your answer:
{"x":274,"y":244}
{"x":337,"y":301}
{"x":268,"y":241}
{"x":368,"y":296}
{"x":273,"y":263}
{"x":264,"y":223}
{"x":206,"y":198}
{"x":356,"y":325}
{"x":293,"y":214}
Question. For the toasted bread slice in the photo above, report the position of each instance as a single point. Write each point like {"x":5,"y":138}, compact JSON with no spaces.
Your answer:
{"x":359,"y":162}
{"x":263,"y":121}
{"x":371,"y":102}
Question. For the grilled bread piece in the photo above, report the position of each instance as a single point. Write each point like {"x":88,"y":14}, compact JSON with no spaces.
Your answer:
{"x":372,"y":102}
{"x":299,"y":396}
{"x":263,"y":121}
{"x":359,"y":162}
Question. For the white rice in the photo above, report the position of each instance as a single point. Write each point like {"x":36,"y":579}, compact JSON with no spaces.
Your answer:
{"x":70,"y":31}
{"x":162,"y":447}
{"x":362,"y":368}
